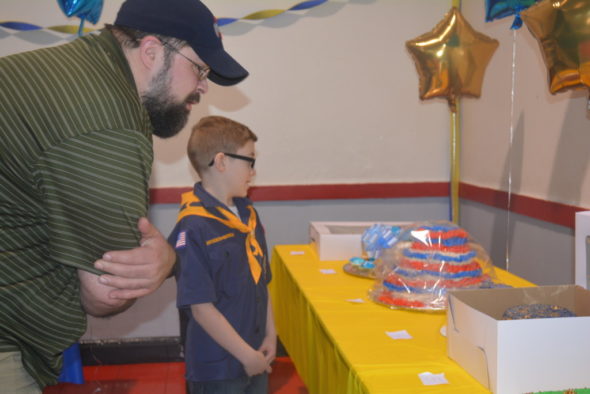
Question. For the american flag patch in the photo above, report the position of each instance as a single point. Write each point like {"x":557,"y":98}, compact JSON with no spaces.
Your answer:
{"x":181,"y":239}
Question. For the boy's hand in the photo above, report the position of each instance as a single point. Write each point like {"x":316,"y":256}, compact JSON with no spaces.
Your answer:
{"x":255,"y":363}
{"x":269,"y":349}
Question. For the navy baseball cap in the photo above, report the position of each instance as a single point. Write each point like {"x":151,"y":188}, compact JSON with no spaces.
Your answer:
{"x":188,"y":20}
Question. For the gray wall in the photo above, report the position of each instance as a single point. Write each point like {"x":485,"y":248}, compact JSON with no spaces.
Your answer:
{"x":540,"y":252}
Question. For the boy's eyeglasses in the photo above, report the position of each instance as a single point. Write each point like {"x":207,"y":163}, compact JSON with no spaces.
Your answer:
{"x":202,"y":72}
{"x":250,"y":160}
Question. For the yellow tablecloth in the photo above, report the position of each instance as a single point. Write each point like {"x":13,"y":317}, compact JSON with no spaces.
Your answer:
{"x":339,"y":346}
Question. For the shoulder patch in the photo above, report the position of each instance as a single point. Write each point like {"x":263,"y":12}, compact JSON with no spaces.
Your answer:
{"x":181,"y":240}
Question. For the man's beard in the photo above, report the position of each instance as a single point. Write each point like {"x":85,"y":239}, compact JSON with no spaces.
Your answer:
{"x":167,"y":116}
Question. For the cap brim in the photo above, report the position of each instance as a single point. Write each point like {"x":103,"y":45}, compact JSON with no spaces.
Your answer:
{"x":225,"y":70}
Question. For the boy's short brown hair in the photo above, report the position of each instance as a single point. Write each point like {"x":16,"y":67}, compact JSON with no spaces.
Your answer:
{"x":214,"y":134}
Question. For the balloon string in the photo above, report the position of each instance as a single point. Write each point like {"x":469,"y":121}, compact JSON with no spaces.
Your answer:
{"x":510,"y":151}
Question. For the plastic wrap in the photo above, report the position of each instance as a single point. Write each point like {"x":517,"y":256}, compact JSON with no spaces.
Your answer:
{"x":375,"y":240}
{"x":428,"y":260}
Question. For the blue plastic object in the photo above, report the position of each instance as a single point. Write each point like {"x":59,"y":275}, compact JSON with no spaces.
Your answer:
{"x":71,"y":371}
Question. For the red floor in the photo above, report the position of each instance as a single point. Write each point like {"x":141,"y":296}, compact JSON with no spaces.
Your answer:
{"x":164,"y":378}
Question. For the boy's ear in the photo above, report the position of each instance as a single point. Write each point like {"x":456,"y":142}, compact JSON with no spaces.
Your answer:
{"x":219,"y":161}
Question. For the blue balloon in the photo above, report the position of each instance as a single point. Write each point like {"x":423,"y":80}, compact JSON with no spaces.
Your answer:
{"x":379,"y":236}
{"x":89,"y":10}
{"x":496,"y":9}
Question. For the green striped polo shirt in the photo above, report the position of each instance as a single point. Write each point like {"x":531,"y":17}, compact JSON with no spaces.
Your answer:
{"x":75,"y":161}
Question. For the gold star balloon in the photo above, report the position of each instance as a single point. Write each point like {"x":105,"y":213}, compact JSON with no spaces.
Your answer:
{"x":562,"y":29}
{"x":451,"y":59}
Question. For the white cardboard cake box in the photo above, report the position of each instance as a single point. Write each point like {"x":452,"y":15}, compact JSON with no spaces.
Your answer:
{"x":521,"y":356}
{"x":340,"y":240}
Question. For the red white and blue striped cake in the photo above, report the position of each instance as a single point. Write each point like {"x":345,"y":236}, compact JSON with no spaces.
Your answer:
{"x":430,"y":260}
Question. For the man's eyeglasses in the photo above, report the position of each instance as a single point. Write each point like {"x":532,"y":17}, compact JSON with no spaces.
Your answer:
{"x":250,"y":160}
{"x":202,"y":72}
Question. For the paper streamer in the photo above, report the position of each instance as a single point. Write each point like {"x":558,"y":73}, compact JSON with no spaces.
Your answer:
{"x":24,"y":26}
{"x":270,"y":13}
{"x":259,"y":15}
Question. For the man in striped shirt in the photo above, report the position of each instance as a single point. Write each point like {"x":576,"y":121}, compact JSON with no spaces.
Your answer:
{"x":76,"y":124}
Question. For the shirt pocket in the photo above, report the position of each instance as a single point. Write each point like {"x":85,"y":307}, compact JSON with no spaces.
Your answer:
{"x":228,"y":262}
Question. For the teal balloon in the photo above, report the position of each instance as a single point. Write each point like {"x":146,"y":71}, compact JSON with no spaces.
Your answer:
{"x":497,"y":9}
{"x":88,"y":10}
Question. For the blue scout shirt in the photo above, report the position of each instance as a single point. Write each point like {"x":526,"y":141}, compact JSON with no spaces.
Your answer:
{"x":213,"y":267}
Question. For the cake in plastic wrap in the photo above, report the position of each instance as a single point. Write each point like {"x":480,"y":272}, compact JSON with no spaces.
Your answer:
{"x":427,"y":261}
{"x":375,"y":240}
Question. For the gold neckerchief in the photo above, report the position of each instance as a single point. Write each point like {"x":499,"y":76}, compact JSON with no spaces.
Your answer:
{"x":232,"y":221}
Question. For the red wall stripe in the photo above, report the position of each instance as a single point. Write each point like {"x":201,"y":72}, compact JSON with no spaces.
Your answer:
{"x":167,"y":195}
{"x":549,"y":211}
{"x":349,"y":191}
{"x":321,"y":192}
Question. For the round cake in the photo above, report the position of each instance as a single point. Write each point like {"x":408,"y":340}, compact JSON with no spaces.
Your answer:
{"x":536,"y":311}
{"x":429,"y":260}
{"x":358,"y":266}
{"x":376,"y":241}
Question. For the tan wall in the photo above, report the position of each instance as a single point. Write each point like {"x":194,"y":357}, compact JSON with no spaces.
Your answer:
{"x":333,"y":93}
{"x":549,"y":155}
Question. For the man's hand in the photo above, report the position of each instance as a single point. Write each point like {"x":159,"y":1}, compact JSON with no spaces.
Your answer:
{"x":95,"y":299}
{"x":137,"y":272}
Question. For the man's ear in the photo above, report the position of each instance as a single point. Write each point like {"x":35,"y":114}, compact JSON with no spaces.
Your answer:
{"x":151,"y":52}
